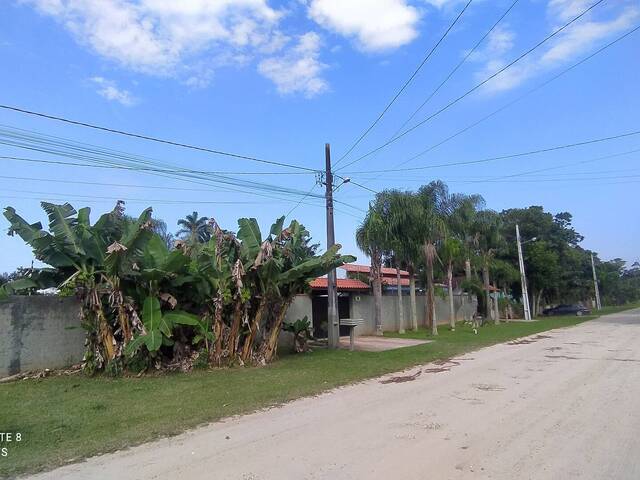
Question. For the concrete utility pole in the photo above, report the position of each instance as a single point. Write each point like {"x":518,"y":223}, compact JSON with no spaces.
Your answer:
{"x":333,"y":328}
{"x":523,"y":278}
{"x":595,"y":283}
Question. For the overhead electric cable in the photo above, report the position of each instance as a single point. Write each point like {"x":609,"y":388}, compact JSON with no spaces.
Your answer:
{"x":474,"y":88}
{"x":457,"y":67}
{"x":405,"y":85}
{"x":513,"y":155}
{"x":516,"y":100}
{"x":149,"y":138}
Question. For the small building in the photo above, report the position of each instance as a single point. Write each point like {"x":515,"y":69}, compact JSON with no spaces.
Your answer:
{"x":347,"y":289}
{"x":355,"y":300}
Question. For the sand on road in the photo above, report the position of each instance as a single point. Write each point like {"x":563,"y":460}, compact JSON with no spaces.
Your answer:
{"x":564,"y":404}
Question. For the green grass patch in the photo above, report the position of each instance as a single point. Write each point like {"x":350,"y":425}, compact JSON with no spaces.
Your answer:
{"x":67,"y":418}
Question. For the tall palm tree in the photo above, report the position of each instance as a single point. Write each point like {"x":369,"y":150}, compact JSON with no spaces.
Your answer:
{"x":194,"y":229}
{"x":488,"y":241}
{"x":450,"y":253}
{"x":400,"y":242}
{"x":371,"y":237}
{"x":431,"y":211}
{"x":461,"y":223}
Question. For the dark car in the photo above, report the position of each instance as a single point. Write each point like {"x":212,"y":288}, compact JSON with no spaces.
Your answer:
{"x":567,"y":310}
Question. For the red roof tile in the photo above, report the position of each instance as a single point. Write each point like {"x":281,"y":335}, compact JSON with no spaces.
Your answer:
{"x":343,"y":284}
{"x":351,"y":267}
{"x":394,"y":281}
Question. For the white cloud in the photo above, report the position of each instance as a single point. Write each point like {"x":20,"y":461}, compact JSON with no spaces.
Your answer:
{"x":499,"y":42}
{"x":376,"y":25}
{"x":582,"y":36}
{"x":186,"y":39}
{"x":109,"y":90}
{"x":575,"y":41}
{"x":564,"y":10}
{"x":299,"y":69}
{"x":441,"y":3}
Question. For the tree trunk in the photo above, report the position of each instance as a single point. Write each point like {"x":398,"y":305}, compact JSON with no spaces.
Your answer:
{"x":235,"y":329}
{"x":272,"y":344}
{"x":496,"y":306}
{"x":539,"y":300}
{"x":376,"y":282}
{"x":467,"y":275}
{"x":487,"y":297}
{"x":430,"y":304}
{"x":400,"y":306}
{"x":253,"y":329}
{"x":412,"y":295}
{"x":452,"y":310}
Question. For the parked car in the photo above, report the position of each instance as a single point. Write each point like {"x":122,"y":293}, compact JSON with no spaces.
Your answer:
{"x":578,"y":310}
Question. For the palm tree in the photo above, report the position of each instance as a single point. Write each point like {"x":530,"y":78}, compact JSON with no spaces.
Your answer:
{"x":400,"y":242}
{"x":370,"y":237}
{"x":450,"y":254}
{"x":488,"y":240}
{"x":431,"y":211}
{"x":461,"y":222}
{"x":194,"y":229}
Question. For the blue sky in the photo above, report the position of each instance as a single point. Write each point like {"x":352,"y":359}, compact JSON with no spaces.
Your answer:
{"x":277,"y":80}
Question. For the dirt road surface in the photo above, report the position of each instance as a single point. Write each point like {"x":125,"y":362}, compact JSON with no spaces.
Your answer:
{"x":562,"y":405}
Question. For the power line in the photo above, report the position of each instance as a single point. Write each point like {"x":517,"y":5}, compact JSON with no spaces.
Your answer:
{"x":557,"y":167}
{"x":362,"y":186}
{"x":70,"y":149}
{"x":405,"y":85}
{"x":513,"y":155}
{"x":300,"y":202}
{"x":55,"y":196}
{"x":456,"y":68}
{"x":149,"y":138}
{"x":516,"y":100}
{"x":301,"y":199}
{"x":473,"y":89}
{"x":186,"y":180}
{"x":21,"y":133}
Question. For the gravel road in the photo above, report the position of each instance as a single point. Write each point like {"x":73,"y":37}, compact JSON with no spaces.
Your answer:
{"x":560,"y":405}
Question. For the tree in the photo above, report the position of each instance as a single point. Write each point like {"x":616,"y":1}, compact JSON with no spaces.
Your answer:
{"x":450,"y":253}
{"x":400,"y":244}
{"x":488,"y":241}
{"x":194,"y":229}
{"x":371,"y":237}
{"x":144,"y":304}
{"x":430,"y":211}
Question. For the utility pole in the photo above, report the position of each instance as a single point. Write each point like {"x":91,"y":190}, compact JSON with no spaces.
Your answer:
{"x":523,"y":278}
{"x":595,"y":283}
{"x":333,"y":328}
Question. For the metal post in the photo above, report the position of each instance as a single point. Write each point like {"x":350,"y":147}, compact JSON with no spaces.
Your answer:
{"x":333,"y":329}
{"x":523,"y":278}
{"x":595,"y":283}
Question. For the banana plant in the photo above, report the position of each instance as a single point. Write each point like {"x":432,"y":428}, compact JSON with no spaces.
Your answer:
{"x":158,"y":327}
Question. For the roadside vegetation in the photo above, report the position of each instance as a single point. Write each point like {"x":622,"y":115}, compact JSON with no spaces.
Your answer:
{"x":440,"y":235}
{"x":213,"y":298}
{"x":67,"y":418}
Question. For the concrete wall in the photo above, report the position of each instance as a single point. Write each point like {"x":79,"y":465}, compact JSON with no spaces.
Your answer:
{"x":38,"y":332}
{"x":362,"y":306}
